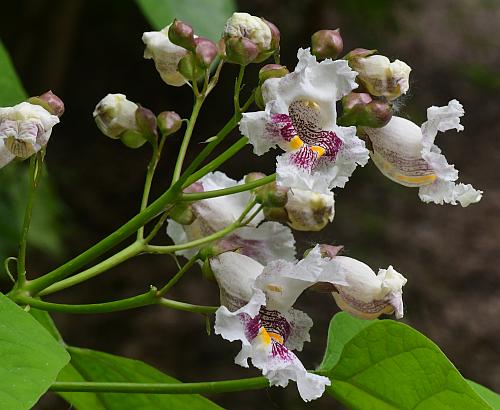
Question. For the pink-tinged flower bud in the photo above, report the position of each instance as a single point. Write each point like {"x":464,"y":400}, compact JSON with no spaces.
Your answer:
{"x":182,"y":35}
{"x":360,"y":109}
{"x":51,"y":102}
{"x":272,"y":71}
{"x":169,"y":122}
{"x":240,"y":51}
{"x":114,"y":115}
{"x":206,"y":51}
{"x":249,"y":39}
{"x":326,"y":44}
{"x":275,"y":35}
{"x":146,"y":122}
{"x":378,"y":75}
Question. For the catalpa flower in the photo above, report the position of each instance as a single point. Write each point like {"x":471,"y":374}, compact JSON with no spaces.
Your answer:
{"x":407,"y":154}
{"x":257,"y":310}
{"x":262,"y":241}
{"x":301,"y":119}
{"x":24,"y":130}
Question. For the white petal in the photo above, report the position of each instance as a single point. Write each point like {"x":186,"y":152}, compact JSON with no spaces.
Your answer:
{"x":441,"y":192}
{"x":254,"y":126}
{"x":165,"y":54}
{"x":300,"y":324}
{"x":235,"y":274}
{"x":179,"y":236}
{"x":269,"y":89}
{"x":283,"y":281}
{"x":267,"y":242}
{"x":288,"y":175}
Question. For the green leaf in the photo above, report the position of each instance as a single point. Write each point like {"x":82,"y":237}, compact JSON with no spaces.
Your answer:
{"x":30,"y":358}
{"x":46,"y":321}
{"x":11,"y":89}
{"x":206,"y":16}
{"x":492,"y":398}
{"x":343,"y":327}
{"x":385,"y":364}
{"x":91,"y":365}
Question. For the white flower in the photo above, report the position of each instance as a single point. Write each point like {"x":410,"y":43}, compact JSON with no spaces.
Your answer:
{"x":301,"y":119}
{"x":381,"y":77}
{"x":366,"y":294}
{"x":257,"y":310}
{"x":166,"y":56}
{"x":264,"y":242}
{"x":309,"y":211}
{"x":251,"y":27}
{"x":114,"y":115}
{"x":407,"y":154}
{"x":24,"y":130}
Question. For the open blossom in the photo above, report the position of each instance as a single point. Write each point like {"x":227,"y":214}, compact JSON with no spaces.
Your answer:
{"x":301,"y":119}
{"x":257,"y":310}
{"x":407,"y":154}
{"x":165,"y":54}
{"x":368,"y":295}
{"x":262,"y":241}
{"x":24,"y":130}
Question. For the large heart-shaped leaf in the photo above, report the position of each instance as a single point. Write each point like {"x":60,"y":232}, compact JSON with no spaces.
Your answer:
{"x":30,"y":358}
{"x":385,"y":364}
{"x":206,"y":16}
{"x":91,"y":365}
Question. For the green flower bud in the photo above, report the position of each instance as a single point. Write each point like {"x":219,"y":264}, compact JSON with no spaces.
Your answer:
{"x":189,"y":67}
{"x":326,"y":44}
{"x":133,"y":139}
{"x":182,"y":213}
{"x":182,"y":35}
{"x":240,"y":51}
{"x":272,"y":71}
{"x":169,"y":122}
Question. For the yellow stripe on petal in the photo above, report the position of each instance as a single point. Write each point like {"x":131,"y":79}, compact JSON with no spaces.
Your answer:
{"x":320,"y":151}
{"x":276,"y":336}
{"x":418,"y":180}
{"x":296,"y":143}
{"x":264,"y":336}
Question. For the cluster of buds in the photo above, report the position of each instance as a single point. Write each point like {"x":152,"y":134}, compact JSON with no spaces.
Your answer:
{"x":302,"y":210}
{"x":179,"y":54}
{"x":249,"y":39}
{"x":134,"y":125}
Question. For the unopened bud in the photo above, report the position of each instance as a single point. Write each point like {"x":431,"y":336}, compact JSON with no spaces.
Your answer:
{"x":182,"y":35}
{"x":182,"y":213}
{"x":114,"y":114}
{"x":169,"y":122}
{"x":146,"y":122}
{"x":240,"y":51}
{"x":189,"y":67}
{"x":326,"y":44}
{"x":378,"y":75}
{"x":206,"y":51}
{"x":271,"y":195}
{"x":133,"y":139}
{"x":277,"y":214}
{"x":360,"y":109}
{"x":275,"y":35}
{"x":51,"y":102}
{"x":272,"y":71}
{"x":254,"y":176}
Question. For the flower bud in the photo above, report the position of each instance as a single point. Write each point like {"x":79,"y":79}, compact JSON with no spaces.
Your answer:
{"x":206,"y":51}
{"x":133,"y":139}
{"x":272,"y":71}
{"x":269,"y":195}
{"x":183,"y":213}
{"x":277,"y":214}
{"x":146,"y":122}
{"x":189,"y":67}
{"x":165,"y":54}
{"x":114,"y":114}
{"x":378,"y":75}
{"x":326,"y":44}
{"x":309,"y":211}
{"x":360,"y":109}
{"x":169,"y":122}
{"x":182,"y":35}
{"x":275,"y":35}
{"x":249,"y":39}
{"x":51,"y":102}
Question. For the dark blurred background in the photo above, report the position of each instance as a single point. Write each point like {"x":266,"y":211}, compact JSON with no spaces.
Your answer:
{"x":83,"y":50}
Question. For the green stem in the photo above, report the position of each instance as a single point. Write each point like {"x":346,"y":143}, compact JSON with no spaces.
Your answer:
{"x":34,"y":178}
{"x":187,"y":137}
{"x":145,"y":299}
{"x":237,"y":89}
{"x":224,"y":386}
{"x":177,"y":276}
{"x":196,"y":196}
{"x":120,"y":257}
{"x":217,"y":162}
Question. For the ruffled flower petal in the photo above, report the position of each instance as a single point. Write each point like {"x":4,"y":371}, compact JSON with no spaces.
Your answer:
{"x":255,"y":125}
{"x":5,"y":155}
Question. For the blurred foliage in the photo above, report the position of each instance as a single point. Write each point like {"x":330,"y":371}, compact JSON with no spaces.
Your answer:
{"x":45,"y":227}
{"x":206,"y":16}
{"x":482,"y":76}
